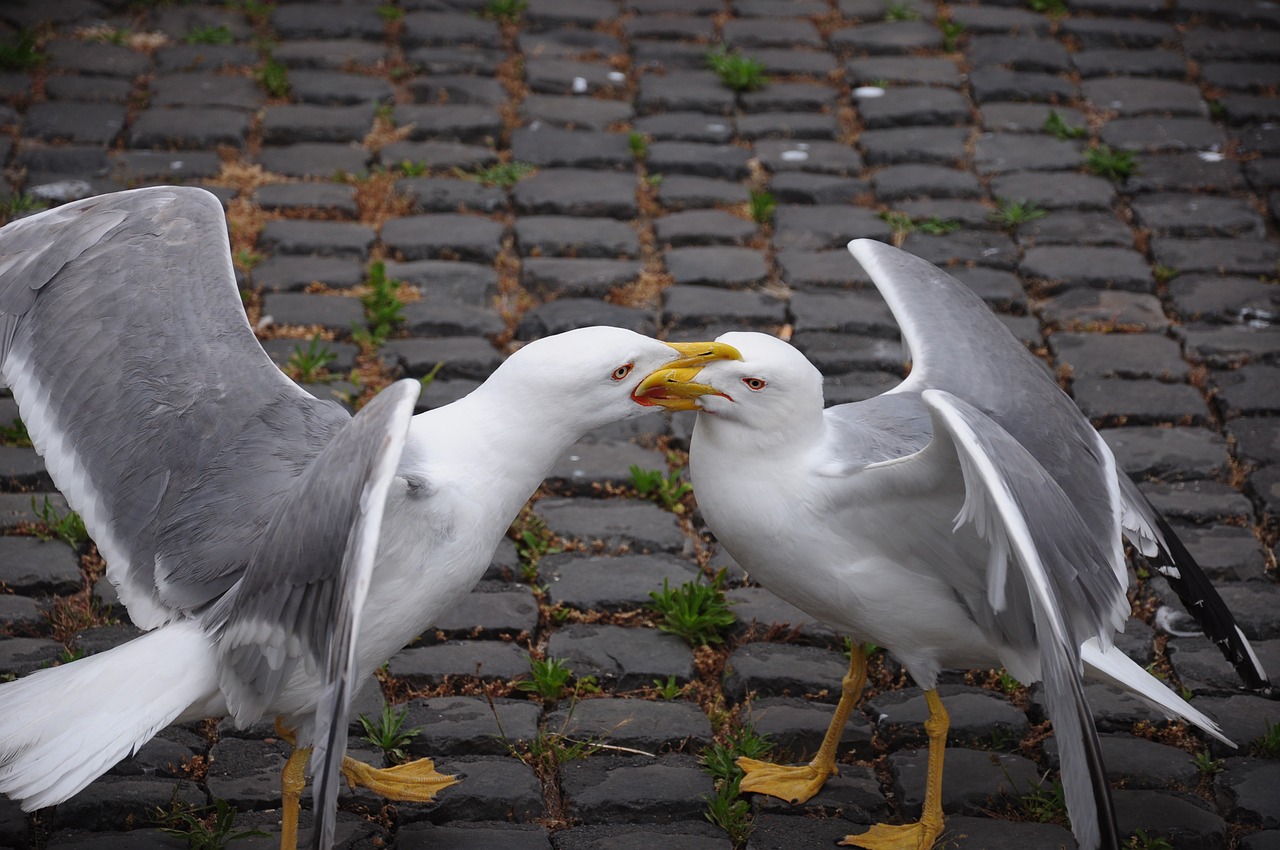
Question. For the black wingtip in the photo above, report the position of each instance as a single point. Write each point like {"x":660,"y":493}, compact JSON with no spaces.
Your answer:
{"x":1205,"y":604}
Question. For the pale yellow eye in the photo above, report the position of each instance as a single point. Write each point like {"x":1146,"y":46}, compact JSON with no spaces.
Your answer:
{"x":754,"y":384}
{"x":622,"y":371}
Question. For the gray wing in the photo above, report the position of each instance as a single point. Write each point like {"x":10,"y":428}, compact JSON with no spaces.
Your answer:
{"x":158,"y":414}
{"x":1065,"y":575}
{"x":301,"y":598}
{"x":957,"y":344}
{"x":960,"y":346}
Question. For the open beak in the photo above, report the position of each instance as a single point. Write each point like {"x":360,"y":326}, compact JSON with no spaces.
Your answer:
{"x":672,"y":386}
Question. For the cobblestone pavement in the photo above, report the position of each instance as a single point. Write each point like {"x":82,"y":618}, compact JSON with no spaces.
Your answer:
{"x":1105,"y":173}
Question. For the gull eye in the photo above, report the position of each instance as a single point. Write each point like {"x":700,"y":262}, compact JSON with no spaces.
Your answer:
{"x":622,"y":371}
{"x":754,"y":384}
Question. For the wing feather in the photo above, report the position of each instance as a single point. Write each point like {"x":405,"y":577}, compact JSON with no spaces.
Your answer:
{"x":1151,"y":534}
{"x":302,"y":595}
{"x":961,"y":346}
{"x":1072,"y":588}
{"x":159,"y":416}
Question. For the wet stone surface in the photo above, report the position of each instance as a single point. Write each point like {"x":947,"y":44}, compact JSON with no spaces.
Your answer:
{"x":583,"y":166}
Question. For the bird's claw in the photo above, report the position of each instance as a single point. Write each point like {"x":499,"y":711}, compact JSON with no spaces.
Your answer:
{"x":416,"y":781}
{"x":882,"y":836}
{"x":793,"y":783}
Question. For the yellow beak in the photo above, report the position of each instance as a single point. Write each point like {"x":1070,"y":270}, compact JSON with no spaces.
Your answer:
{"x":672,"y":386}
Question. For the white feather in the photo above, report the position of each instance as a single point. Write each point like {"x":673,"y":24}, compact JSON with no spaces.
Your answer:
{"x":63,"y":727}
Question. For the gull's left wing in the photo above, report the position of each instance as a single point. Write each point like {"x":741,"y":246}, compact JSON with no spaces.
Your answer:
{"x":302,"y":595}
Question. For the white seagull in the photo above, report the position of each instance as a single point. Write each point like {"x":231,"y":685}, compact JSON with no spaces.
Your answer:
{"x":277,"y":549}
{"x":968,"y":518}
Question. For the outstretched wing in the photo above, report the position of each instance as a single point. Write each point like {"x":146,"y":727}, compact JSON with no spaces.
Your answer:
{"x":959,"y":345}
{"x":124,"y":340}
{"x":302,"y":596}
{"x":1028,"y":522}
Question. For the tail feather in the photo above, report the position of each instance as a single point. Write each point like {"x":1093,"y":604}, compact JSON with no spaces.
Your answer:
{"x":1115,"y":668}
{"x":62,"y":728}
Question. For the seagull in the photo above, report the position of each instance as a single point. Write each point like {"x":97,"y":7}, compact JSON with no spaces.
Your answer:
{"x":276,"y":549}
{"x":969,"y":518}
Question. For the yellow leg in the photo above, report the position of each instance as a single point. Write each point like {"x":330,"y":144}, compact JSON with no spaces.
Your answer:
{"x":292,"y":780}
{"x":797,"y":783}
{"x":921,"y":835}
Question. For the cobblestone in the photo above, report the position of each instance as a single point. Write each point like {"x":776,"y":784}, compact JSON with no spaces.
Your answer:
{"x":1156,"y":297}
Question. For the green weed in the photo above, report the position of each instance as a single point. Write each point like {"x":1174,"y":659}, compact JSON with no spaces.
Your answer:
{"x":53,"y":525}
{"x":1267,"y":745}
{"x":413,"y":169}
{"x":549,"y":678}
{"x":669,"y":689}
{"x":1006,"y":683}
{"x":428,"y":378}
{"x":1207,"y":764}
{"x":900,"y":222}
{"x":246,"y":259}
{"x":533,"y":542}
{"x":899,"y":12}
{"x":15,"y":434}
{"x":20,"y":204}
{"x":725,"y":808}
{"x":731,"y":813}
{"x":20,"y":54}
{"x":209,"y":35}
{"x":504,"y":11}
{"x":389,"y":12}
{"x":695,"y":611}
{"x":1106,"y":161}
{"x":1052,"y":8}
{"x":1045,"y":804}
{"x":309,"y":365}
{"x":504,"y":175}
{"x":935,"y":226}
{"x":383,"y":309}
{"x":738,"y":72}
{"x":1013,"y":214}
{"x":558,"y":748}
{"x":951,"y":32}
{"x":720,"y":760}
{"x":667,"y":489}
{"x":273,"y":77}
{"x":1060,"y":128}
{"x":1141,"y":841}
{"x":762,"y":205}
{"x":214,"y":831}
{"x":388,"y":734}
{"x":1164,"y":274}
{"x":639,"y":144}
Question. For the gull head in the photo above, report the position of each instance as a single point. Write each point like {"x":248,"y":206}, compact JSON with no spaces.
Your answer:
{"x":604,"y":366}
{"x":766,"y":388}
